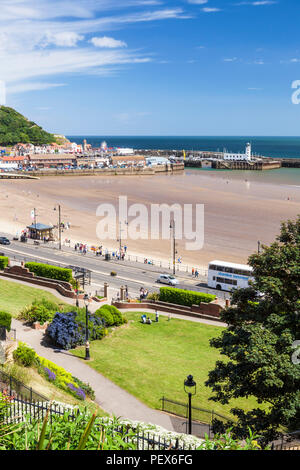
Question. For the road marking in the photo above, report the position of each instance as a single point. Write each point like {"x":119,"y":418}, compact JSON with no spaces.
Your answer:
{"x":66,"y":264}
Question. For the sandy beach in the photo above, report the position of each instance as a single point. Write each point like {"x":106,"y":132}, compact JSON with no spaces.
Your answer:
{"x":237,"y":211}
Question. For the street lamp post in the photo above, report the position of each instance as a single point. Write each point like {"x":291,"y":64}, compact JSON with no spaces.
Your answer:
{"x":190,"y":389}
{"x":87,"y":344}
{"x":59,"y":226}
{"x":172,"y":227}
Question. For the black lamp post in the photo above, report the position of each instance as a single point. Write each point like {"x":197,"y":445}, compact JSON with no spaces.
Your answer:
{"x":59,"y":226}
{"x":87,"y":344}
{"x":190,"y":389}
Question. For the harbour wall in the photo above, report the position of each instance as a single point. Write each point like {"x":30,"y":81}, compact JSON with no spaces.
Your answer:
{"x":130,"y":171}
{"x":235,"y":165}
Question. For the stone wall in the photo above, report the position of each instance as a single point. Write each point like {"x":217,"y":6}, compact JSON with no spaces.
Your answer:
{"x":23,"y":274}
{"x":206,"y":311}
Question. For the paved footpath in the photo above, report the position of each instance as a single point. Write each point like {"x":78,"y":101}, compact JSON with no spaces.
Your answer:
{"x":109,"y":396}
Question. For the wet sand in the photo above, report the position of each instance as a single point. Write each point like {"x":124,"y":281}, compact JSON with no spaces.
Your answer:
{"x":238,"y":212}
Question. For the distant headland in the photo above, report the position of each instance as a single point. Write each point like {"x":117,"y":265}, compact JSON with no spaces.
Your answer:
{"x":15,"y":128}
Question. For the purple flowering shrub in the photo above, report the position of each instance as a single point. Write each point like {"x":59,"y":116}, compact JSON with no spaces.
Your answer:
{"x":78,"y":392}
{"x":50,"y":375}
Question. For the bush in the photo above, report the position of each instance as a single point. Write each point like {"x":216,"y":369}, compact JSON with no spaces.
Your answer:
{"x":51,"y":272}
{"x":111,"y":315}
{"x":68,"y":329}
{"x":4,"y":262}
{"x":24,"y":355}
{"x":40,"y":310}
{"x":153,"y":296}
{"x":184,"y":297}
{"x":64,"y":380}
{"x":64,"y":331}
{"x":5,"y":320}
{"x":105,"y":315}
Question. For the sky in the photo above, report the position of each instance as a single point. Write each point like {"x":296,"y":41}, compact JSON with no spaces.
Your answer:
{"x":153,"y":67}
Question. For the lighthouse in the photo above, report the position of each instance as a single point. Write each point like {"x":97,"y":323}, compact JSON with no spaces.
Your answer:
{"x":248,"y":151}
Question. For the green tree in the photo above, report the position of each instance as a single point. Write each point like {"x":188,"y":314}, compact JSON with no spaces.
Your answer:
{"x":264,"y":324}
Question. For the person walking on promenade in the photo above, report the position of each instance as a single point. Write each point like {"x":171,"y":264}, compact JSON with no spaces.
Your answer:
{"x":193,"y":272}
{"x":196,"y":273}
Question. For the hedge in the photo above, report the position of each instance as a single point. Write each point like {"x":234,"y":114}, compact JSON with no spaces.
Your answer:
{"x":5,"y":320}
{"x":4,"y":261}
{"x":184,"y":297}
{"x":50,"y":272}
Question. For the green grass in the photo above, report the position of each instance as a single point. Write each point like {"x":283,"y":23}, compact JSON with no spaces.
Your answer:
{"x":152,"y":361}
{"x":14,"y":296}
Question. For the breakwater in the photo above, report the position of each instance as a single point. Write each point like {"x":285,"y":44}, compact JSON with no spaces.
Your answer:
{"x":258,"y":165}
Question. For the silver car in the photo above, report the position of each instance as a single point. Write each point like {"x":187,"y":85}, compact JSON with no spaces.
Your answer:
{"x":167,"y":279}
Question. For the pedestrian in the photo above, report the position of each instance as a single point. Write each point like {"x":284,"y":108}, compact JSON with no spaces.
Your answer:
{"x":126,"y":291}
{"x":125,"y":248}
{"x":193,"y":271}
{"x":156,"y":316}
{"x":141,"y":293}
{"x":196,"y":273}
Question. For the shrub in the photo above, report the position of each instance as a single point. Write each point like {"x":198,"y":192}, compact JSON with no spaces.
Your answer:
{"x":184,"y":297}
{"x":24,"y":355}
{"x":68,"y":329}
{"x":51,"y":272}
{"x":64,"y":331}
{"x":153,"y":296}
{"x":85,"y":387}
{"x":4,"y":262}
{"x":40,"y":310}
{"x":64,"y":380}
{"x":111,"y":315}
{"x":105,"y":315}
{"x":5,"y":320}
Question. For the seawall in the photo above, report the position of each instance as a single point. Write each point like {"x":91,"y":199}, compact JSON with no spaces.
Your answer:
{"x":172,"y":168}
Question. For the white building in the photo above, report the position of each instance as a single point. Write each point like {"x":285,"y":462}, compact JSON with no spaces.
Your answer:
{"x":157,"y":161}
{"x":125,"y":151}
{"x":239,"y":156}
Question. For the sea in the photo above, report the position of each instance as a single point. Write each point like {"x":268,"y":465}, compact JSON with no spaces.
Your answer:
{"x":275,"y":147}
{"x":284,"y":147}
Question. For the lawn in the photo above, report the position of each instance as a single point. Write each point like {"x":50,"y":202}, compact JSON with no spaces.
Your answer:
{"x":152,"y":361}
{"x":14,"y":296}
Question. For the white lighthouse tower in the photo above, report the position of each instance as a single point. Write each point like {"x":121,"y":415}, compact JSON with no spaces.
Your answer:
{"x":248,"y":151}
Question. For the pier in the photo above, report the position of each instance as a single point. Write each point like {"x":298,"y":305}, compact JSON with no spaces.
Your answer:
{"x":255,"y":165}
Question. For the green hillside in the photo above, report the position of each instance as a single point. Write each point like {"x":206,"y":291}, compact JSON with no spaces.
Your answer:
{"x":15,"y":128}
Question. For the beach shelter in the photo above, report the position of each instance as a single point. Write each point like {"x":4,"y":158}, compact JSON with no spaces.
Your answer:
{"x":39,"y":231}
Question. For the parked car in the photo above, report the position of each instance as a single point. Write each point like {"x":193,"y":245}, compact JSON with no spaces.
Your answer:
{"x":167,"y":279}
{"x":4,"y":241}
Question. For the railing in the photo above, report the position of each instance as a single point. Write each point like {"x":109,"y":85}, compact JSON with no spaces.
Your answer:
{"x":35,"y":411}
{"x":14,"y":387}
{"x":202,"y":419}
{"x":163,"y":264}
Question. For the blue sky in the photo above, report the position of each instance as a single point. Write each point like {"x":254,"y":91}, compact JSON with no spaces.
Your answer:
{"x":152,"y":67}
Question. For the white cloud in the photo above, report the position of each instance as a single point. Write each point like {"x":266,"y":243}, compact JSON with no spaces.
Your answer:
{"x":108,"y":42}
{"x":210,"y":10}
{"x":31,"y":86}
{"x":63,"y":39}
{"x":40,"y":39}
